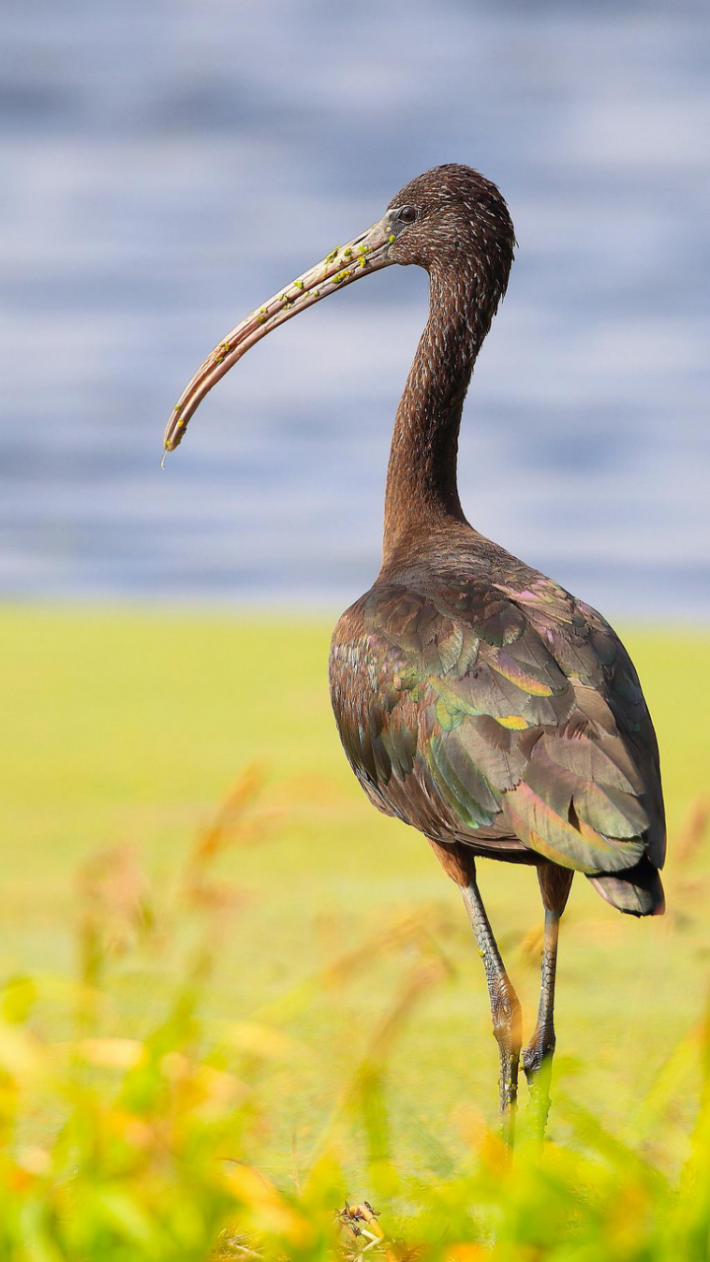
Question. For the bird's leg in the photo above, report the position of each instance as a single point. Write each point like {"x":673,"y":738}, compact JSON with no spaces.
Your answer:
{"x":505,"y":1008}
{"x":537,"y":1057}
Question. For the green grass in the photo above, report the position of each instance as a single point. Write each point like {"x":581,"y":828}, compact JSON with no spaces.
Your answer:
{"x":302,"y":928}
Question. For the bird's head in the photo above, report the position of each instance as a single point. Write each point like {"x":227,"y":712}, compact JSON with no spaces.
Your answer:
{"x":450,"y":220}
{"x":449,"y":216}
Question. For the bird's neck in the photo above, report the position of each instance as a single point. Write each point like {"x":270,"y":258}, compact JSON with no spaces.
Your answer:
{"x":422,"y":492}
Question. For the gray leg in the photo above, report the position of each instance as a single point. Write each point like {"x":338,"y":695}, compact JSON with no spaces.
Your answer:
{"x":542,"y":1043}
{"x":537,"y":1057}
{"x":505,"y":1008}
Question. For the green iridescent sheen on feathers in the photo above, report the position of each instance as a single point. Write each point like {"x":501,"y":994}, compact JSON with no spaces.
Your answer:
{"x":500,"y":718}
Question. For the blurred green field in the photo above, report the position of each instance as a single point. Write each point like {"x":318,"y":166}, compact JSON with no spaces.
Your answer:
{"x":123,"y":732}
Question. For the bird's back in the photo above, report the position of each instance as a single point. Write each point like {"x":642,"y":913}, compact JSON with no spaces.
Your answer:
{"x":483,"y":704}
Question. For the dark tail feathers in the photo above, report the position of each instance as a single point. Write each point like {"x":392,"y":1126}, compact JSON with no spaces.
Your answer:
{"x":636,"y":891}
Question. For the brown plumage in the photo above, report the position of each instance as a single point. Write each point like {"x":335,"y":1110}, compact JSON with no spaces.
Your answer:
{"x":475,"y":698}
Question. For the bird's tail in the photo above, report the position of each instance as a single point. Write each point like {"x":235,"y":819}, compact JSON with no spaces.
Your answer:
{"x":637,"y":891}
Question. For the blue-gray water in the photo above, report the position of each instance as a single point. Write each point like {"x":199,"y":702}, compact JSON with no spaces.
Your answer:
{"x":166,"y":166}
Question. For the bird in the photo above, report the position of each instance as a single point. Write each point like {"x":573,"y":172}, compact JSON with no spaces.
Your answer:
{"x":476,"y":699}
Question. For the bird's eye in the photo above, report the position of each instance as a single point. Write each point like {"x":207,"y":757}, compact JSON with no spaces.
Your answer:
{"x":407,"y":214}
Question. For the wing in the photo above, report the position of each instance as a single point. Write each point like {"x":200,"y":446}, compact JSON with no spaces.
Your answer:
{"x":475,"y":711}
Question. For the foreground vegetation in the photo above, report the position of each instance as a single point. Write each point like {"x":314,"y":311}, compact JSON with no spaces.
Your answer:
{"x":220,"y":1023}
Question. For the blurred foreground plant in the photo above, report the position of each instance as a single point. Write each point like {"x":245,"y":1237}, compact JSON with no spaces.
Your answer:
{"x":118,"y":1149}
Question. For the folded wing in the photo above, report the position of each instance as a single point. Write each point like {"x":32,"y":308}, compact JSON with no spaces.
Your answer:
{"x":516,"y":713}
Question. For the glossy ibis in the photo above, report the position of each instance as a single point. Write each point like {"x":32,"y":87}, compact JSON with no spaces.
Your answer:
{"x":475,"y":698}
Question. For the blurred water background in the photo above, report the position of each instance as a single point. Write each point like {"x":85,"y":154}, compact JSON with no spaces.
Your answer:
{"x":167,"y":166}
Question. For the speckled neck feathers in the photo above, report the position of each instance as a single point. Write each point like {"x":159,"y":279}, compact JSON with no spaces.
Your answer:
{"x":465,"y":290}
{"x":422,"y":491}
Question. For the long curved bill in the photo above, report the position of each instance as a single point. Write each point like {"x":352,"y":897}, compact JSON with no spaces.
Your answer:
{"x":367,"y":253}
